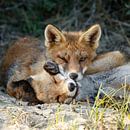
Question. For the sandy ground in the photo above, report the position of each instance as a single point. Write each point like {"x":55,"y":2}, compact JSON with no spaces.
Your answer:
{"x":17,"y":115}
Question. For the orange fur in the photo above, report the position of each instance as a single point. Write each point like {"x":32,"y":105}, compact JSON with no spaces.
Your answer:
{"x":28,"y":57}
{"x":74,"y":51}
{"x":106,"y":62}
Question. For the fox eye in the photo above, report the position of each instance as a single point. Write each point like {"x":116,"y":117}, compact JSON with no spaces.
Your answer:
{"x":63,"y":58}
{"x":82,"y":59}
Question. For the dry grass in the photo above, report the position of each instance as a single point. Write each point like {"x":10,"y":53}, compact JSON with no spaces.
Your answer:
{"x":105,"y":114}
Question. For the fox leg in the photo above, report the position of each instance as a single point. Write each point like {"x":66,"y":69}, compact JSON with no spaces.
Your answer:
{"x":106,"y":62}
{"x":20,"y":88}
{"x":17,"y":86}
{"x":51,"y":67}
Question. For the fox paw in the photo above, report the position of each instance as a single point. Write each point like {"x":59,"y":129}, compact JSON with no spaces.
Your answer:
{"x":51,"y":67}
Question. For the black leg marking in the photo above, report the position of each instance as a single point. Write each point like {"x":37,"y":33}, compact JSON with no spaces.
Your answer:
{"x":51,"y":67}
{"x":25,"y":92}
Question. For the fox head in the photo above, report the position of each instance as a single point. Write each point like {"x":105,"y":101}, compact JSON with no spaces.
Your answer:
{"x":53,"y":86}
{"x":74,"y":51}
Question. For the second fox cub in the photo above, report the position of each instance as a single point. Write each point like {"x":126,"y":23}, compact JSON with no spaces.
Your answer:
{"x":23,"y":68}
{"x":74,"y":52}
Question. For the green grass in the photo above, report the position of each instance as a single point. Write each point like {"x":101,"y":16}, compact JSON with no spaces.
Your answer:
{"x":109,"y":102}
{"x":96,"y":113}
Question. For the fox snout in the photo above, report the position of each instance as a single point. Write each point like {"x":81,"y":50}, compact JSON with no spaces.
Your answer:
{"x":76,"y":76}
{"x":72,"y":87}
{"x":73,"y":76}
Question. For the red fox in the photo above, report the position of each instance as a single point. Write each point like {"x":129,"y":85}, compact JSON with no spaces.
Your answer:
{"x":74,"y":52}
{"x":24,"y":61}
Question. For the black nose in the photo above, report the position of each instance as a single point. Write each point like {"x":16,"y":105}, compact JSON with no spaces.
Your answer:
{"x":71,"y":87}
{"x":73,"y":76}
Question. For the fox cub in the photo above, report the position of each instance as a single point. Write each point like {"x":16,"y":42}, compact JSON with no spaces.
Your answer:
{"x":73,"y":52}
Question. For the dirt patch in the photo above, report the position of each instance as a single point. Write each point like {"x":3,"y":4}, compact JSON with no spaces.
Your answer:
{"x":18,"y":115}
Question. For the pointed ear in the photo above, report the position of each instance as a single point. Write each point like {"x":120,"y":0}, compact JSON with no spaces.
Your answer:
{"x":91,"y":36}
{"x":53,"y":36}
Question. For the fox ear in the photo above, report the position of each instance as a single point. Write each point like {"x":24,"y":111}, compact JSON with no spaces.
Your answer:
{"x":92,"y":36}
{"x":53,"y":35}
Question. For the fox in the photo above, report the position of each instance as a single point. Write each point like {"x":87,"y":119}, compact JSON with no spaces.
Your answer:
{"x":22,"y":64}
{"x":74,"y":53}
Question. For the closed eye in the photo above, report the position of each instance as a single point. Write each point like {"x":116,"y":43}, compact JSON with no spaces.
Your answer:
{"x":63,"y":58}
{"x":82,"y":59}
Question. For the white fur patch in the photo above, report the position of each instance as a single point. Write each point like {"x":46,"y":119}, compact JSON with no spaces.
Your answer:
{"x":38,"y":77}
{"x":61,"y":70}
{"x":84,"y":69}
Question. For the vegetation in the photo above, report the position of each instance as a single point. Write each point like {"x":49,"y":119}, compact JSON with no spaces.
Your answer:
{"x":31,"y":16}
